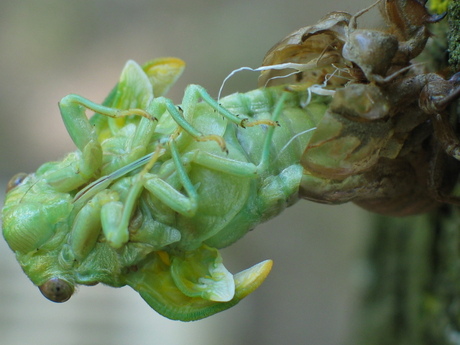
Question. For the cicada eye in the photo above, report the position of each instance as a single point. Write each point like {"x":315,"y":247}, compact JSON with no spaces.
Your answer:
{"x":57,"y":290}
{"x":15,"y":181}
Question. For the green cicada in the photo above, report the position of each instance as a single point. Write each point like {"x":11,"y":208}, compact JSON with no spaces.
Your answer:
{"x":155,"y":189}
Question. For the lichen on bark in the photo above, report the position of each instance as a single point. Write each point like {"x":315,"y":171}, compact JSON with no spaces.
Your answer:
{"x":454,"y":35}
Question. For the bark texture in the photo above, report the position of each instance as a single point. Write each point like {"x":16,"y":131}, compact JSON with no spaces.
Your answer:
{"x":413,"y":292}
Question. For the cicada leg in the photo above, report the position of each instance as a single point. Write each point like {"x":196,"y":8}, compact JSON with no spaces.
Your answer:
{"x":87,"y":226}
{"x":88,"y":134}
{"x":136,"y":89}
{"x":84,"y":136}
{"x":187,"y":205}
{"x":115,"y":226}
{"x":265,"y":158}
{"x":445,"y":135}
{"x":117,"y":215}
{"x":183,"y":115}
{"x":194,"y":92}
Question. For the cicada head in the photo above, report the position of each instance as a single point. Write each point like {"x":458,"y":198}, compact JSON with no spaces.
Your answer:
{"x":371,"y":50}
{"x":35,"y":225}
{"x":32,"y":213}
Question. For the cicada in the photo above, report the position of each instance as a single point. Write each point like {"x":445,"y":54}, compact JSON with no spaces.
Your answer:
{"x":155,"y":189}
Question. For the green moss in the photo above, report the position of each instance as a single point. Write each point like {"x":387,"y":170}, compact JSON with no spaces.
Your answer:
{"x":454,"y":35}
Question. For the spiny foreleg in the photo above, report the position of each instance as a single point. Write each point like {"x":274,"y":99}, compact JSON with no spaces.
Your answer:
{"x":84,"y":136}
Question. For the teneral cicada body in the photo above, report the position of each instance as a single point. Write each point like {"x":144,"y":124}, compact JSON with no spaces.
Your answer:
{"x":155,"y":189}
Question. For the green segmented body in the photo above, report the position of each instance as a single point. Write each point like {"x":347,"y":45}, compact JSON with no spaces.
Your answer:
{"x":147,"y":202}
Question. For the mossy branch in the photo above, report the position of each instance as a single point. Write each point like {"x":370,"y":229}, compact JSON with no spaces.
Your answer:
{"x":453,"y":37}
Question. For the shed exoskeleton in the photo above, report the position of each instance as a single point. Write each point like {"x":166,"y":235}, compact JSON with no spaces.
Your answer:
{"x":386,"y":141}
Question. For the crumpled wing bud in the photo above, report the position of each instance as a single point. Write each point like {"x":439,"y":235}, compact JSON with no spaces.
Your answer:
{"x":175,"y":289}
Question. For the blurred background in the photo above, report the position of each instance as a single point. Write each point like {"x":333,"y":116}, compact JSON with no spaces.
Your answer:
{"x":52,"y":48}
